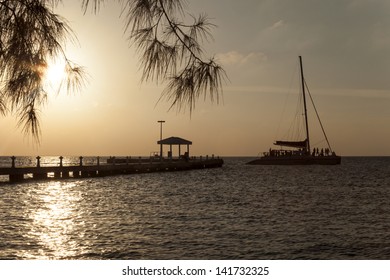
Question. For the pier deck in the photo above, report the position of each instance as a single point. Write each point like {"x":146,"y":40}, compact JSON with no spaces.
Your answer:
{"x":18,"y":174}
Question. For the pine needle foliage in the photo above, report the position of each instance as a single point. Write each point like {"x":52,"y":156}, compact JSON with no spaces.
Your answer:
{"x":31,"y":35}
{"x":170,"y":49}
{"x":168,"y":41}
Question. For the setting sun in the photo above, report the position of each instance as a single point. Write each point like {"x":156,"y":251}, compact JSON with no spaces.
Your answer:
{"x":55,"y":73}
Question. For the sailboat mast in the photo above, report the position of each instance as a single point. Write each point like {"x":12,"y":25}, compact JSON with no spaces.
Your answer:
{"x":304,"y":106}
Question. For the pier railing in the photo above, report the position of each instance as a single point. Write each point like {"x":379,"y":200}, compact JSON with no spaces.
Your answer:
{"x":97,"y":167}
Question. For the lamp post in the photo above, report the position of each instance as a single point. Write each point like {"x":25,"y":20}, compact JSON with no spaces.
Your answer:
{"x":161,"y":145}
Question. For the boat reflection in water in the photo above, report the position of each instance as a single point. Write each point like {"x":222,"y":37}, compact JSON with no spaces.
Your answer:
{"x":300,"y":152}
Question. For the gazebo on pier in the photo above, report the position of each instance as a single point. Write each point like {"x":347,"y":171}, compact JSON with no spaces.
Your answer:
{"x":177,"y":141}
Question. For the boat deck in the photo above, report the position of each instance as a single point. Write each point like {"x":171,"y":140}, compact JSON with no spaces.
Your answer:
{"x":297,"y":160}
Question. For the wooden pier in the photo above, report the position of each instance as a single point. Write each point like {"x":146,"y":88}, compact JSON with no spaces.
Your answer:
{"x":131,"y":166}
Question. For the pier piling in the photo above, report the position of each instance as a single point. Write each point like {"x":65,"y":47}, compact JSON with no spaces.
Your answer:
{"x":115,"y":166}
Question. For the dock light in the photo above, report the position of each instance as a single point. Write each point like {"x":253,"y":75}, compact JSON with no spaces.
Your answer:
{"x":161,"y":145}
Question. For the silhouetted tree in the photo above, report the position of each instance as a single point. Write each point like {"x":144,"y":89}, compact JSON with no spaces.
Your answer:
{"x":169,"y":47}
{"x":31,"y":35}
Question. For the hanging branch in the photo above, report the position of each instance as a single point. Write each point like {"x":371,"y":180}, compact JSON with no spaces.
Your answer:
{"x":170,"y":50}
{"x":31,"y":35}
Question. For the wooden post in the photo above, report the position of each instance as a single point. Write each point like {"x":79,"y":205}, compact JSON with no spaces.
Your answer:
{"x":13,"y":178}
{"x":81,"y":161}
{"x":13,"y":161}
{"x":38,"y":161}
{"x":40,"y":176}
{"x":61,"y":158}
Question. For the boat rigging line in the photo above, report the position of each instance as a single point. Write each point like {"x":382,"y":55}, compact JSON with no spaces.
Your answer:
{"x":318,"y":117}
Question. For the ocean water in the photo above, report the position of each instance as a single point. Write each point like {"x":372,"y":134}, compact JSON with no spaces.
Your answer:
{"x":234,"y":212}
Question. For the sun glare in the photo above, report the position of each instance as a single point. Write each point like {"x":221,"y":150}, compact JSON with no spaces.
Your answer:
{"x":56,"y":221}
{"x":55,"y":73}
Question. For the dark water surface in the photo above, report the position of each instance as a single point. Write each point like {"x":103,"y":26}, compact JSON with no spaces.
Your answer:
{"x":235,"y":212}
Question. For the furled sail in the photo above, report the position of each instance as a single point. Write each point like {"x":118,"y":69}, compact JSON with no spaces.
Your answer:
{"x":293,"y":144}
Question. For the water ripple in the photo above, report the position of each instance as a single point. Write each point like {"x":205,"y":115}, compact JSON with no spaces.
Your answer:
{"x":236,"y":212}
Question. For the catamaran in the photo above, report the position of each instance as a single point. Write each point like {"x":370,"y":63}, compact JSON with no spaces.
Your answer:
{"x":299,"y":152}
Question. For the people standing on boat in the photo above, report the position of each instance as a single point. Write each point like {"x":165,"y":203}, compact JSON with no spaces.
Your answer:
{"x":307,"y":155}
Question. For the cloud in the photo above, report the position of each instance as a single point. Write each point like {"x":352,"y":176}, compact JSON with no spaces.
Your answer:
{"x":277,"y":25}
{"x":237,"y":58}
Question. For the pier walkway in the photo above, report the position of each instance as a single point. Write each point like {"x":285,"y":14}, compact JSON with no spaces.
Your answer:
{"x":120,"y":166}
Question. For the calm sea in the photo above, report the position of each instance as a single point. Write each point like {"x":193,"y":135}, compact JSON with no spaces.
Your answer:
{"x":235,"y":212}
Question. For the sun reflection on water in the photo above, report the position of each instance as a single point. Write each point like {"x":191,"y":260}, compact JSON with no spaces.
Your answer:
{"x":56,"y":221}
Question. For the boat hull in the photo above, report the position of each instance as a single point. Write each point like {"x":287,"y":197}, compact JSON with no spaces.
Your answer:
{"x":303,"y":160}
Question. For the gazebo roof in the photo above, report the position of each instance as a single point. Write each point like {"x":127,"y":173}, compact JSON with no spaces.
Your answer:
{"x":174,"y":141}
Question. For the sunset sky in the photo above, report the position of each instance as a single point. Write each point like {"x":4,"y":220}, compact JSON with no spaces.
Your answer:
{"x":345,"y":45}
